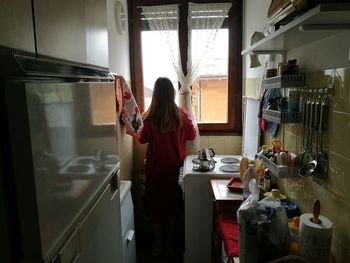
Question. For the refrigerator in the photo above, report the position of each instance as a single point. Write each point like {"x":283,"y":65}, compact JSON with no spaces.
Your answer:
{"x":59,"y":182}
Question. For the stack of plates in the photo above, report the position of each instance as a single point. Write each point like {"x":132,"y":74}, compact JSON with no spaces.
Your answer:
{"x":229,"y":160}
{"x":230,"y":168}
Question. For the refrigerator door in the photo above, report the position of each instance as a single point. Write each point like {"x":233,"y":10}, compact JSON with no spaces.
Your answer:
{"x":64,"y":151}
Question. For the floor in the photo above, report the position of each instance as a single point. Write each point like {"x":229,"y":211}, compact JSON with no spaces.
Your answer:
{"x":144,"y":250}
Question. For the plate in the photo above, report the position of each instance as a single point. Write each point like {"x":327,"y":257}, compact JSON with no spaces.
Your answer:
{"x":229,"y":160}
{"x":235,"y":184}
{"x":230,"y":168}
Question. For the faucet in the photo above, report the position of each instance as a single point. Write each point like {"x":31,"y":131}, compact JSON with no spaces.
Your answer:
{"x":100,"y":155}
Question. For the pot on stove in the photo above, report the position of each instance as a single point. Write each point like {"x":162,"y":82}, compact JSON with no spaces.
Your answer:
{"x":205,"y":157}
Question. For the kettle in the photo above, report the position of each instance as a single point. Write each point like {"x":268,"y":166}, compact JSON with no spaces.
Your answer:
{"x":205,"y":157}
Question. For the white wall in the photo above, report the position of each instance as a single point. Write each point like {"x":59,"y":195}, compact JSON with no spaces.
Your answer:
{"x":119,"y":62}
{"x":254,"y":19}
{"x":331,"y":52}
{"x":118,"y":44}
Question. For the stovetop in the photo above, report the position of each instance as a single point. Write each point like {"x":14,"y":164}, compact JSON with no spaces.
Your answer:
{"x":187,"y":169}
{"x":230,"y":162}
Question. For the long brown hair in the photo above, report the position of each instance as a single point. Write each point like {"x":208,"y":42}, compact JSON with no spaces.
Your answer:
{"x":163,"y":110}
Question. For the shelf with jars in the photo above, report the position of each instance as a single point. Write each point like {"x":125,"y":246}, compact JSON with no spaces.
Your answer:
{"x":284,"y":109}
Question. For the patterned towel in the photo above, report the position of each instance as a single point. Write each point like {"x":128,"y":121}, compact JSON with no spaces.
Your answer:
{"x":130,"y":113}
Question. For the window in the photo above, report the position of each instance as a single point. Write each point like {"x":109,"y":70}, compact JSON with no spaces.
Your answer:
{"x":155,"y":63}
{"x":217,"y":94}
{"x":210,"y":91}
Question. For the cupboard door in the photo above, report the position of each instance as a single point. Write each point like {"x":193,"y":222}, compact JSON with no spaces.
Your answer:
{"x":96,"y":32}
{"x":16,"y":25}
{"x":60,"y":29}
{"x":72,"y":30}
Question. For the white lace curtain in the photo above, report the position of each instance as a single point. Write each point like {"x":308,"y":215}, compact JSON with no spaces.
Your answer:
{"x":204,"y":21}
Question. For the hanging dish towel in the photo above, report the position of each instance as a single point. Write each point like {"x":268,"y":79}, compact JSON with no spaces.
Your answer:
{"x":130,"y":113}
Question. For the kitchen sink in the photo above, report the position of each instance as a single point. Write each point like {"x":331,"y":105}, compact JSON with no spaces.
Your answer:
{"x":86,"y":166}
{"x":80,"y":169}
{"x":85,"y":160}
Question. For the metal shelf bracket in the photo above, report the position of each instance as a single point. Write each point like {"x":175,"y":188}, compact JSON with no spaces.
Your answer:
{"x":283,"y":53}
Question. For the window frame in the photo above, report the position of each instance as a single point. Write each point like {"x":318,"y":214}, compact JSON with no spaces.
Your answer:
{"x":234,"y":124}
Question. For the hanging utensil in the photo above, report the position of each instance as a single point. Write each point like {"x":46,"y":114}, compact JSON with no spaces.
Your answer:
{"x":304,"y":139}
{"x":316,"y":123}
{"x":308,"y":168}
{"x":322,"y":162}
{"x":306,"y":129}
{"x":304,"y":113}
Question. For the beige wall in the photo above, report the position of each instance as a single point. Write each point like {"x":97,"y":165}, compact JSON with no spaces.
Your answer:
{"x":323,"y":61}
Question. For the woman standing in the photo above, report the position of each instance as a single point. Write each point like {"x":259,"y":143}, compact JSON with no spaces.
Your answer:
{"x":166,"y":130}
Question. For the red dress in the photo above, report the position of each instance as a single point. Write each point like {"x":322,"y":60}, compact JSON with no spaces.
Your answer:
{"x":165,"y":155}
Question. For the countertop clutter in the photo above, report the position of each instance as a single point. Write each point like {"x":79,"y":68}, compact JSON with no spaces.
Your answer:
{"x":267,"y":215}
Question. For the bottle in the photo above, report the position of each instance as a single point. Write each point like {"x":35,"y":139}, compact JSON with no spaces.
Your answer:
{"x":243,"y":166}
{"x":248,"y":175}
{"x":267,"y":180}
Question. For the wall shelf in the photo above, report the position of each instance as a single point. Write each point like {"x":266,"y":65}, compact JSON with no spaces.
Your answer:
{"x":281,"y":117}
{"x":319,"y":22}
{"x":284,"y":82}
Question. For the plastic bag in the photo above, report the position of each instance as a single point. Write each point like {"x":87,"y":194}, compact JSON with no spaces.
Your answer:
{"x":263,"y":230}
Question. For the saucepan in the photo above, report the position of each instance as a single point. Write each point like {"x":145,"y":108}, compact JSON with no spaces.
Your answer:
{"x":205,"y":157}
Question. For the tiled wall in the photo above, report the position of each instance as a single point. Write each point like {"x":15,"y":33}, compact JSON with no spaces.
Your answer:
{"x":220,"y":144}
{"x":334,"y":194}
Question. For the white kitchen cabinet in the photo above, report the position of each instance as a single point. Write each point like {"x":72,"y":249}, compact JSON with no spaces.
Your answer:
{"x":16,"y":25}
{"x":72,"y":30}
{"x":127,"y":223}
{"x":99,"y":232}
{"x":198,"y":206}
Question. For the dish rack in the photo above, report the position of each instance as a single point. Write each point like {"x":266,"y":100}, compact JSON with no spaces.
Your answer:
{"x":280,"y":171}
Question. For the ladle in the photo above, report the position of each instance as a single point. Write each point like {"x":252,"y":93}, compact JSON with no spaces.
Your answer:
{"x":322,"y":163}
